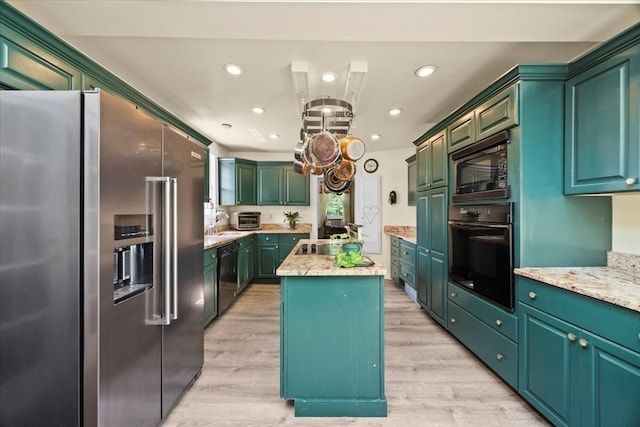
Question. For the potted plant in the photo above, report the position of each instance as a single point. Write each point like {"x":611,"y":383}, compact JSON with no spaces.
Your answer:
{"x":292,"y":218}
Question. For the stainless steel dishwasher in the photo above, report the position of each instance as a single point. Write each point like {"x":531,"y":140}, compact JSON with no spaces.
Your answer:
{"x":227,"y":275}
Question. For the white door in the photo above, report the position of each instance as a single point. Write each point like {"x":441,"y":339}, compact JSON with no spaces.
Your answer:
{"x":368,"y":212}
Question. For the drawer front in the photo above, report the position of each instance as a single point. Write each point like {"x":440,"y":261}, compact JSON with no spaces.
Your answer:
{"x":244,"y":242}
{"x":407,"y":252}
{"x":267,"y":239}
{"x":496,"y":318}
{"x":395,"y":241}
{"x":407,"y":274}
{"x":494,"y":349}
{"x":617,"y":324}
{"x":395,"y":273}
{"x":395,"y":251}
{"x":291,"y":238}
{"x":210,"y":256}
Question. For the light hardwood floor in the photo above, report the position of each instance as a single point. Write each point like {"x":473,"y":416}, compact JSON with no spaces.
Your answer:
{"x":431,"y":379}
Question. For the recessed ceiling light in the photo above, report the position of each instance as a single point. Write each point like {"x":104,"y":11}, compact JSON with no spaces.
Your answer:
{"x":226,"y":125}
{"x":274,"y":136}
{"x":329,"y":77}
{"x":395,"y":111}
{"x":257,"y":110}
{"x":234,"y":69}
{"x":425,"y":70}
{"x":375,"y":136}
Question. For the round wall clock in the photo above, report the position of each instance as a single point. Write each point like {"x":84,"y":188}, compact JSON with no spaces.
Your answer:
{"x":371,"y":165}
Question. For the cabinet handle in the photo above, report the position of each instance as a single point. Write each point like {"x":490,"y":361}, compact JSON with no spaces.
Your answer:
{"x":405,"y":253}
{"x":499,"y":322}
{"x":404,"y":274}
{"x":571,"y":337}
{"x":499,"y":356}
{"x":532,"y":295}
{"x":630,"y":181}
{"x":583,"y":343}
{"x":453,"y":320}
{"x":453,"y":295}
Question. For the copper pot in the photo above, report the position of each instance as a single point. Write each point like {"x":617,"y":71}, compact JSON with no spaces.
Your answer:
{"x":352,"y":148}
{"x":323,"y":150}
{"x":345,"y":170}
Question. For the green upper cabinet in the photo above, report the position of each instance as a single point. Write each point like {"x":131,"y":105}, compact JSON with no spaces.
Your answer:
{"x":432,"y":163}
{"x":602,"y":119}
{"x":279,"y":184}
{"x":237,"y":181}
{"x":412,"y":177}
{"x":498,"y":113}
{"x":24,"y":66}
{"x":462,"y":132}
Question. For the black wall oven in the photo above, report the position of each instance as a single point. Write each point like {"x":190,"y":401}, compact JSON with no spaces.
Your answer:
{"x":481,"y":170}
{"x":481,"y":250}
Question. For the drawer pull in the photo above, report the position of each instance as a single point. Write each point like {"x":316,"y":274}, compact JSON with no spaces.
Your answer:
{"x":532,"y":295}
{"x":405,"y":253}
{"x":499,"y":322}
{"x":499,"y":356}
{"x":583,"y":343}
{"x":630,"y":181}
{"x":453,"y":320}
{"x":404,"y":274}
{"x":453,"y":295}
{"x":571,"y":337}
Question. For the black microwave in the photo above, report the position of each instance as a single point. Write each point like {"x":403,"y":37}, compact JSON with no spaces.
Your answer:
{"x":481,"y":170}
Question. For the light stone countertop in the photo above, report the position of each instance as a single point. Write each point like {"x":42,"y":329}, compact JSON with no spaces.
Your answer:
{"x":612,"y":285}
{"x":228,"y":236}
{"x":322,"y":265}
{"x":404,"y":232}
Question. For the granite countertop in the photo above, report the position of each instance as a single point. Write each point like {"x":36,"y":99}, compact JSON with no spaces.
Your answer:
{"x":405,"y":232}
{"x":228,"y":236}
{"x":322,"y":265}
{"x":616,"y":284}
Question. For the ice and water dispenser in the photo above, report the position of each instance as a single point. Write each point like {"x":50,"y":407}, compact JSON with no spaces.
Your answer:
{"x":132,"y":264}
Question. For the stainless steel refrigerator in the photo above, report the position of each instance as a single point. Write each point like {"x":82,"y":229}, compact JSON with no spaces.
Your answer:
{"x":101,"y":273}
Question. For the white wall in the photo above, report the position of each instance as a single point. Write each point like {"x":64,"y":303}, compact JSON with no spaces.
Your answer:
{"x":626,"y":224}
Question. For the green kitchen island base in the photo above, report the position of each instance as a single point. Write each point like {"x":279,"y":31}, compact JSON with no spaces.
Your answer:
{"x":332,"y":341}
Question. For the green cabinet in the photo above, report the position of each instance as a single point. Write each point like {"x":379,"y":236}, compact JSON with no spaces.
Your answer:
{"x":431,"y":163}
{"x":412,"y":177}
{"x":279,"y":184}
{"x":407,"y":262}
{"x":490,"y":332}
{"x":267,"y":256}
{"x":578,"y":366}
{"x":432,"y":253}
{"x":602,"y":127}
{"x":495,"y":114}
{"x":286,"y":242}
{"x":395,"y":259}
{"x":237,"y":181}
{"x":25,"y":66}
{"x":210,"y":291}
{"x":246,"y":262}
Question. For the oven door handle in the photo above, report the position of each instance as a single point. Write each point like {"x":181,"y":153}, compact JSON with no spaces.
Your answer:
{"x":476,"y":225}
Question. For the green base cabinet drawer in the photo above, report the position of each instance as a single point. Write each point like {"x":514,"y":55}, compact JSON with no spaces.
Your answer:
{"x":407,"y":274}
{"x":495,"y":317}
{"x":493,"y":348}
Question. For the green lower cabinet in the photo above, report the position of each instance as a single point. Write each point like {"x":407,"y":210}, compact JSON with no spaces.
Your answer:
{"x":488,"y":331}
{"x":210,"y":291}
{"x":437,"y":287}
{"x":267,"y":261}
{"x":422,"y":273}
{"x":572,"y":375}
{"x":332,"y":345}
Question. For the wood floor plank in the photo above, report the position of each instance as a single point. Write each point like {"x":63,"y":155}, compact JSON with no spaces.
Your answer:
{"x":431,"y":379}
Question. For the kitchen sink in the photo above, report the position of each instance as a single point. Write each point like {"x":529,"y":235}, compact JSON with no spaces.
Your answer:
{"x":230,"y":233}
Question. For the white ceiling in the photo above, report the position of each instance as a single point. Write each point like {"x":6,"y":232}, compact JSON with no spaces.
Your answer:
{"x":174,"y":52}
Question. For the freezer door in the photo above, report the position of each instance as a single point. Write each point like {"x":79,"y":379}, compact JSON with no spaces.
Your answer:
{"x":40,"y":287}
{"x":130,"y":344}
{"x":183,"y":339}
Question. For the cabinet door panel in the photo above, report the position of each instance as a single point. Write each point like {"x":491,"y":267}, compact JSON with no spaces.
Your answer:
{"x":462,"y":133}
{"x":269,"y":185}
{"x":611,"y":384}
{"x":549,"y":367}
{"x":438,"y":222}
{"x":422,"y":161}
{"x":422,"y":276}
{"x":296,"y":188}
{"x":437,"y":273}
{"x":267,"y":261}
{"x":422,"y":220}
{"x":499,"y":113}
{"x":246,"y":184}
{"x":438,"y":161}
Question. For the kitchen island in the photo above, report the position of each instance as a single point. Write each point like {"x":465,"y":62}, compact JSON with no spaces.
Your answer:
{"x":331,"y":335}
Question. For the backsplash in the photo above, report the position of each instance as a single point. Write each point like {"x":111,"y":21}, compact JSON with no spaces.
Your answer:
{"x":622,"y":261}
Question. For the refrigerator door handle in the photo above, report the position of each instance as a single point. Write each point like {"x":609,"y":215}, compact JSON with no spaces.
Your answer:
{"x":165,"y":317}
{"x":174,"y":248}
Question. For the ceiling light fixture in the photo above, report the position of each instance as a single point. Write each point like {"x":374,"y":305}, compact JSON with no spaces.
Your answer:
{"x":233,"y":69}
{"x":226,"y":125}
{"x":395,"y":111}
{"x":329,"y":77}
{"x":326,"y":110}
{"x":257,"y":110}
{"x":375,"y":136}
{"x":274,"y":136}
{"x":425,"y":70}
